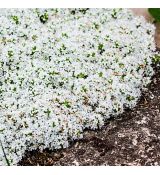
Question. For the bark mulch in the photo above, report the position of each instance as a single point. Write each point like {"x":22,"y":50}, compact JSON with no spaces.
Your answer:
{"x":131,"y":139}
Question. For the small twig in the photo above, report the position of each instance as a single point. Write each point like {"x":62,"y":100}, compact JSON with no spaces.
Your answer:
{"x":5,"y":154}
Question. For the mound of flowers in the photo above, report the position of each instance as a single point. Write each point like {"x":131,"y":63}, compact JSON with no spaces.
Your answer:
{"x":65,"y":70}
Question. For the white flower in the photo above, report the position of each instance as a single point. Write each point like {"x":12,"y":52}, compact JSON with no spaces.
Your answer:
{"x":64,"y":70}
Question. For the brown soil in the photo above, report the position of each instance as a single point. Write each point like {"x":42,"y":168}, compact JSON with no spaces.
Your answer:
{"x":131,"y":139}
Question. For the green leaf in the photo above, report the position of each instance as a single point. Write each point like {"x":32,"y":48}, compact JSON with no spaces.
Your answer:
{"x":100,"y":74}
{"x":82,"y":75}
{"x":1,"y":130}
{"x":53,"y":73}
{"x":130,"y":98}
{"x":53,"y":124}
{"x":155,"y":12}
{"x":33,"y":50}
{"x":47,"y":112}
{"x":156,"y":59}
{"x":44,"y":18}
{"x":10,"y":53}
{"x":66,"y":104}
{"x":15,"y":19}
{"x":84,"y":89}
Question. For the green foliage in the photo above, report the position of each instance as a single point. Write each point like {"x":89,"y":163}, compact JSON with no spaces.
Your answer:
{"x":100,"y":74}
{"x":10,"y":53}
{"x":156,"y":59}
{"x":82,"y":75}
{"x":84,"y":89}
{"x":130,"y":98}
{"x":44,"y":18}
{"x":47,"y":112}
{"x":155,"y":12}
{"x":33,"y":50}
{"x":66,"y":104}
{"x":15,"y":19}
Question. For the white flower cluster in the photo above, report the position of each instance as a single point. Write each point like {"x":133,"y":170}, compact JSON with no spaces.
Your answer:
{"x":65,"y":70}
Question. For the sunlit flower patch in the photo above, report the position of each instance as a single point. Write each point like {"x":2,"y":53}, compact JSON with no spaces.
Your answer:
{"x":65,"y":70}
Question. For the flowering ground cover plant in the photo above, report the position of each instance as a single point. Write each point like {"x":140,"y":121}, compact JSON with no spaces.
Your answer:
{"x":64,"y":70}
